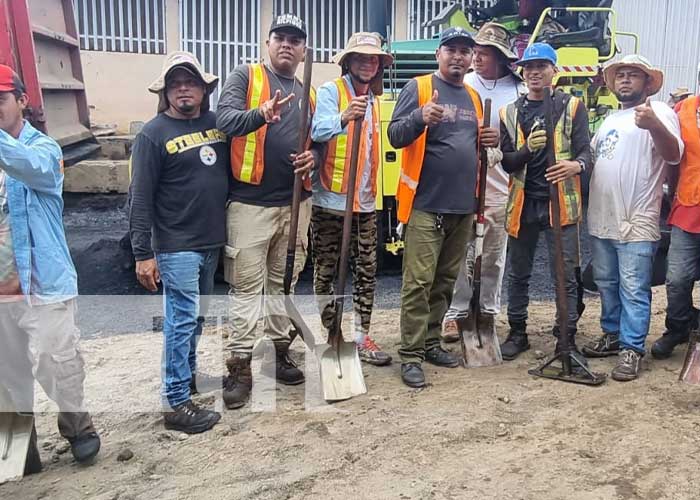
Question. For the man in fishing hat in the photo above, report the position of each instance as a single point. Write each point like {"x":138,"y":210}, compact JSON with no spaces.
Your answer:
{"x":178,"y":195}
{"x":631,"y":148}
{"x":260,"y":109}
{"x":340,"y":103}
{"x":493,"y":79}
{"x":678,"y":95}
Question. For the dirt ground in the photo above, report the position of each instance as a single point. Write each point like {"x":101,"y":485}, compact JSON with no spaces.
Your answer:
{"x":489,"y":433}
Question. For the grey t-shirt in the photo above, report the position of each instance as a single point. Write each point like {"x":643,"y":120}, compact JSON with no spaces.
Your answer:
{"x":282,"y":138}
{"x":448,"y":178}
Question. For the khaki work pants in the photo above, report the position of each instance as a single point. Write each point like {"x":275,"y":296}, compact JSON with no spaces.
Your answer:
{"x":41,"y":342}
{"x":254,"y":262}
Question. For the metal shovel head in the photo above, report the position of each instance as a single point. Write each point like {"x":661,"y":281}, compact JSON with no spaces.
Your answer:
{"x":480,"y":342}
{"x":690,"y":374}
{"x":15,"y":435}
{"x":341,"y":371}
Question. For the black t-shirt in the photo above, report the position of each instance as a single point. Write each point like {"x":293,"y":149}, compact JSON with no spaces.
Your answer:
{"x":448,"y":177}
{"x":536,"y":186}
{"x":281,"y":139}
{"x":179,"y":186}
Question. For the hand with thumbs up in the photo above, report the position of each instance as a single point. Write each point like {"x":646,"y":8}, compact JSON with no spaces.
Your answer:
{"x":432,"y":111}
{"x":644,"y":116}
{"x":271,"y":110}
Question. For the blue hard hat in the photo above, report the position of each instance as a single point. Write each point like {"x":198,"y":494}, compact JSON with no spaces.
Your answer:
{"x":538,"y":52}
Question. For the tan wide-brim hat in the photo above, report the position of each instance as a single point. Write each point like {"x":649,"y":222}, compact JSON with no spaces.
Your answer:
{"x":364,"y":43}
{"x":656,"y":76}
{"x":680,"y":92}
{"x":495,"y":35}
{"x":188,"y":61}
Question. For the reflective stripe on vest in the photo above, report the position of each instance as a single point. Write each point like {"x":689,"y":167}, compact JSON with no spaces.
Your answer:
{"x":333,"y":174}
{"x":248,"y":152}
{"x":413,"y":154}
{"x":688,"y":192}
{"x":569,"y":190}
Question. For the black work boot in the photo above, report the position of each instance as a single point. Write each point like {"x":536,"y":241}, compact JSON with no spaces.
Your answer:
{"x":663,"y":347}
{"x":412,"y":375}
{"x":440,"y":357}
{"x":516,"y":342}
{"x":85,"y":447}
{"x":286,"y":371}
{"x":190,"y":418}
{"x":239,"y":382}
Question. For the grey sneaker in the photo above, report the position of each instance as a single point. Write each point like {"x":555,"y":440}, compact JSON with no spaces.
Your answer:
{"x":607,"y":345}
{"x":629,"y":363}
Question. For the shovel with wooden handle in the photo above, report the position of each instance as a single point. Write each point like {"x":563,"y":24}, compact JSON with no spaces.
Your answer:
{"x":300,"y":326}
{"x":566,"y":365}
{"x":480,"y":345}
{"x":341,"y":372}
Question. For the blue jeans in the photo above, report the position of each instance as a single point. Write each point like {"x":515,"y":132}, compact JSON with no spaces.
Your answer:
{"x":186,"y":276}
{"x":622,"y":272}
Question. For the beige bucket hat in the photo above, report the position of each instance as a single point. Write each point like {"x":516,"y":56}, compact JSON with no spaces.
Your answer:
{"x":640,"y":62}
{"x":189,"y":62}
{"x":680,"y":92}
{"x":496,"y":35}
{"x":364,"y":43}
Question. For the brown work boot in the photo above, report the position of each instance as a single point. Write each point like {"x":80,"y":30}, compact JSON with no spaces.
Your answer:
{"x":286,"y":370}
{"x":239,"y":382}
{"x":450,"y":331}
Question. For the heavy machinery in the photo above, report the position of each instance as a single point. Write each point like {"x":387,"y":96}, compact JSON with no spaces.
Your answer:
{"x":585,"y":39}
{"x":39,"y":40}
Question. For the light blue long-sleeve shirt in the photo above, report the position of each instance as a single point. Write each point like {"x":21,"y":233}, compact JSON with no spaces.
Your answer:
{"x":33,"y":165}
{"x":326,"y":125}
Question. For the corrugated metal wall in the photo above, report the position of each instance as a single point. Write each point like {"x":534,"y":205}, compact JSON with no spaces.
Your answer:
{"x":669,"y":33}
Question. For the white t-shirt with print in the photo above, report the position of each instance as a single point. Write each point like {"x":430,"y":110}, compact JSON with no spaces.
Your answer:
{"x":627,"y":182}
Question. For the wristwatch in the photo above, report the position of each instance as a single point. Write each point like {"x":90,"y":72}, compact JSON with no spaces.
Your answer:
{"x":582,"y":164}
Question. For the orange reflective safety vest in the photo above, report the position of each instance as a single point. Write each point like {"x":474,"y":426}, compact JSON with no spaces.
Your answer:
{"x":688,"y":192}
{"x":333,"y":173}
{"x":412,"y":155}
{"x":248,"y":152}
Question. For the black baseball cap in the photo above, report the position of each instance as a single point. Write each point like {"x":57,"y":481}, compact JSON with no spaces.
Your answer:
{"x":289,"y":21}
{"x":456,"y":33}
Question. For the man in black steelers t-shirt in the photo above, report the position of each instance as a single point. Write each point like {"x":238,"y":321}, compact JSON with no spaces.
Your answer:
{"x":178,"y":197}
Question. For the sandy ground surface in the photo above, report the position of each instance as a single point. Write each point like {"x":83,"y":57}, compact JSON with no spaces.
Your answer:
{"x":488,"y":433}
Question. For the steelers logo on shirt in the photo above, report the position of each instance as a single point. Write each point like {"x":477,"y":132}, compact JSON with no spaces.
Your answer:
{"x":207,"y":155}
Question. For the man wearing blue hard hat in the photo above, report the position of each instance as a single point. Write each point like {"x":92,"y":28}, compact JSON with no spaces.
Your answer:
{"x":523,"y":142}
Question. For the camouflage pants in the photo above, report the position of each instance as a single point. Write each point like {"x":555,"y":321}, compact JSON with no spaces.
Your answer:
{"x":327,"y":229}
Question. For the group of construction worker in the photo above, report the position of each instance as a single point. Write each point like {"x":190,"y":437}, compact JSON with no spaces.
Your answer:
{"x":207,"y":185}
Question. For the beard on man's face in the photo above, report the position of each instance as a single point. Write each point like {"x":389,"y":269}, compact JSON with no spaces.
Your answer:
{"x":633,"y":96}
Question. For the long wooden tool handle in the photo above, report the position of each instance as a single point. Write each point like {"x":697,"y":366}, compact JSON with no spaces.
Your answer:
{"x":560,"y":277}
{"x":480,"y":220}
{"x":347,"y":223}
{"x":298,"y":181}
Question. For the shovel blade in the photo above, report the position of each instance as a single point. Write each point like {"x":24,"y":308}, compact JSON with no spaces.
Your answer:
{"x":480,"y":344}
{"x":690,"y":374}
{"x":15,"y":435}
{"x":341,"y":372}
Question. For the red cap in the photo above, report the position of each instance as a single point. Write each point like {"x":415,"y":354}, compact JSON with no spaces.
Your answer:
{"x":7,"y":79}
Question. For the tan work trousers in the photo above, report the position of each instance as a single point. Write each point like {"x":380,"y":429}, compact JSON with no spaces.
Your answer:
{"x":41,"y":342}
{"x":254,"y":261}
